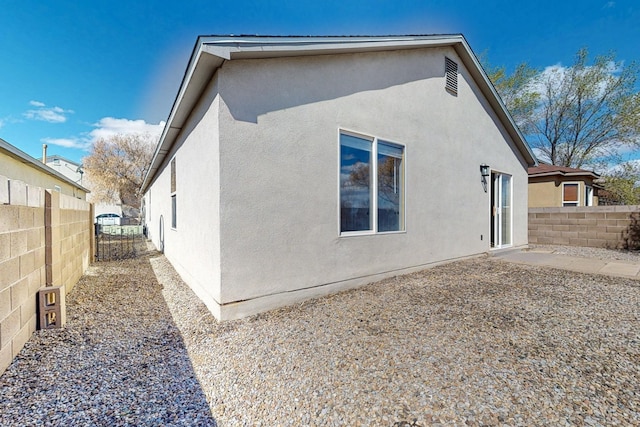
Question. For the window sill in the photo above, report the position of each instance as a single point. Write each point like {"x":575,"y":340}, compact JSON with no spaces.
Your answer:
{"x":370,"y":233}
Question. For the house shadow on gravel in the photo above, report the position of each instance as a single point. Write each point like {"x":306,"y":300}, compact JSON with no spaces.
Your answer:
{"x":120,"y":360}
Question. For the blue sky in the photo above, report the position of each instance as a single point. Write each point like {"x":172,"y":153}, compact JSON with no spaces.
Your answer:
{"x":72,"y":71}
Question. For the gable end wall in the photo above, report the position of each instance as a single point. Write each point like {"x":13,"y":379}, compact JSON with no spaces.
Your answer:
{"x":279,"y":158}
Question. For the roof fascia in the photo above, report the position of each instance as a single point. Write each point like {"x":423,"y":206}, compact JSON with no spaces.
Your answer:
{"x":568,"y":174}
{"x":200,"y":70}
{"x":277,"y":47}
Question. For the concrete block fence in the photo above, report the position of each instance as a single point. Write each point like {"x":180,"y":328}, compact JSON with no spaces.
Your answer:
{"x":615,"y":227}
{"x":45,"y":240}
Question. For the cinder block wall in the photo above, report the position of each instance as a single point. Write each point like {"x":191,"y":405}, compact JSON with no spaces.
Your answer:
{"x":39,"y":229}
{"x":68,"y":232}
{"x":22,"y":264}
{"x":616,"y":227}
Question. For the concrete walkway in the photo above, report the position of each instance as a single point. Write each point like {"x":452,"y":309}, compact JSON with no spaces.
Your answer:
{"x":583,"y":265}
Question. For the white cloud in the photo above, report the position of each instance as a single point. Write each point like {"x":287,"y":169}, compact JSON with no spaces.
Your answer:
{"x":81,"y":144}
{"x":7,"y":120}
{"x":47,"y":114}
{"x":109,"y":126}
{"x":106,"y":128}
{"x":609,"y":5}
{"x":553,"y":76}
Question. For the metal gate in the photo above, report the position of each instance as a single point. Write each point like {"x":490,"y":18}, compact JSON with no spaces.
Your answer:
{"x":115,"y":242}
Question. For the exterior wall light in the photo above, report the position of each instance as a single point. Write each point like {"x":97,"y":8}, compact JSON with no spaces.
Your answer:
{"x":484,"y":171}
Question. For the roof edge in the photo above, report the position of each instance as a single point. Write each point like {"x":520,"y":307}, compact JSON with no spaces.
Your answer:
{"x":561,"y":173}
{"x":210,"y":52}
{"x":33,"y":162}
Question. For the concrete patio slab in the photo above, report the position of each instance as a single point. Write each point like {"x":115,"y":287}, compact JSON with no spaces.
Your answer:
{"x":621,"y":269}
{"x":565,"y":262}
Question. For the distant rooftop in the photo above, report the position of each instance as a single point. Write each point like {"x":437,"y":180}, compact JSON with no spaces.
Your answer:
{"x":544,"y":169}
{"x":58,"y":157}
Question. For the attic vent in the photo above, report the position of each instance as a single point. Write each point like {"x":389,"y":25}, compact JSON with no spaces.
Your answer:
{"x":451,"y":73}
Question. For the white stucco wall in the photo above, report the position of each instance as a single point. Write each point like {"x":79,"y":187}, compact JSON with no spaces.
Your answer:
{"x":193,"y":247}
{"x":277,"y":237}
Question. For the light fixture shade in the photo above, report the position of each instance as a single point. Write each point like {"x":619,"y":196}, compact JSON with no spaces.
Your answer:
{"x":484,"y":170}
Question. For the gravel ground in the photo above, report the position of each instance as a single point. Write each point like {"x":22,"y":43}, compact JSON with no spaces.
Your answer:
{"x":119,"y":361}
{"x":476,"y":342}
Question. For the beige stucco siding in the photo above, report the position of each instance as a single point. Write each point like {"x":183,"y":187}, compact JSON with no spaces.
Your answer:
{"x":548,"y":191}
{"x":279,"y":160}
{"x":543,"y":194}
{"x":19,"y":171}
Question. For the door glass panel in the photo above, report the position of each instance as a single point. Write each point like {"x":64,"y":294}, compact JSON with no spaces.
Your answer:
{"x":501,"y":205}
{"x":506,"y":209}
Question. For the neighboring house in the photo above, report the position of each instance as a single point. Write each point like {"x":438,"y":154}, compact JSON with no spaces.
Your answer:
{"x":66,"y":167}
{"x":293,"y":167}
{"x":18,"y":165}
{"x":557,"y":186}
{"x":75,"y":172}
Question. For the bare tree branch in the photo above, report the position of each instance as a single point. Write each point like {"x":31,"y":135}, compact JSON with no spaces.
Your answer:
{"x":578,"y":115}
{"x":116,"y":168}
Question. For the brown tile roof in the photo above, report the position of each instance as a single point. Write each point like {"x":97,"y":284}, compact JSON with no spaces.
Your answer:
{"x":545,"y":169}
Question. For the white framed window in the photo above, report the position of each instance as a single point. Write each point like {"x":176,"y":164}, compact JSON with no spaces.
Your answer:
{"x":588,"y":195}
{"x":570,"y":194}
{"x":371,"y":185}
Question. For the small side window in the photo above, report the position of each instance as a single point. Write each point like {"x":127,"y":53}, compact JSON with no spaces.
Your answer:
{"x":174,"y":221}
{"x":173,"y":211}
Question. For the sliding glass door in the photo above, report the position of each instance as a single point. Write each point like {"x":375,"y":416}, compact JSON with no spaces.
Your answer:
{"x":501,"y":207}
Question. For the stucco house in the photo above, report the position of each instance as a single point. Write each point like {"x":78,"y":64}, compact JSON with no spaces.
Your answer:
{"x":293,"y":167}
{"x":558,"y":186}
{"x":17,"y":165}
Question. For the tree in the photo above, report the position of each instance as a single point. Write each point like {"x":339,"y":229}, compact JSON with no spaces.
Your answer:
{"x":575,"y":116}
{"x":621,"y":185}
{"x":514,"y":91}
{"x":117,"y":166}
